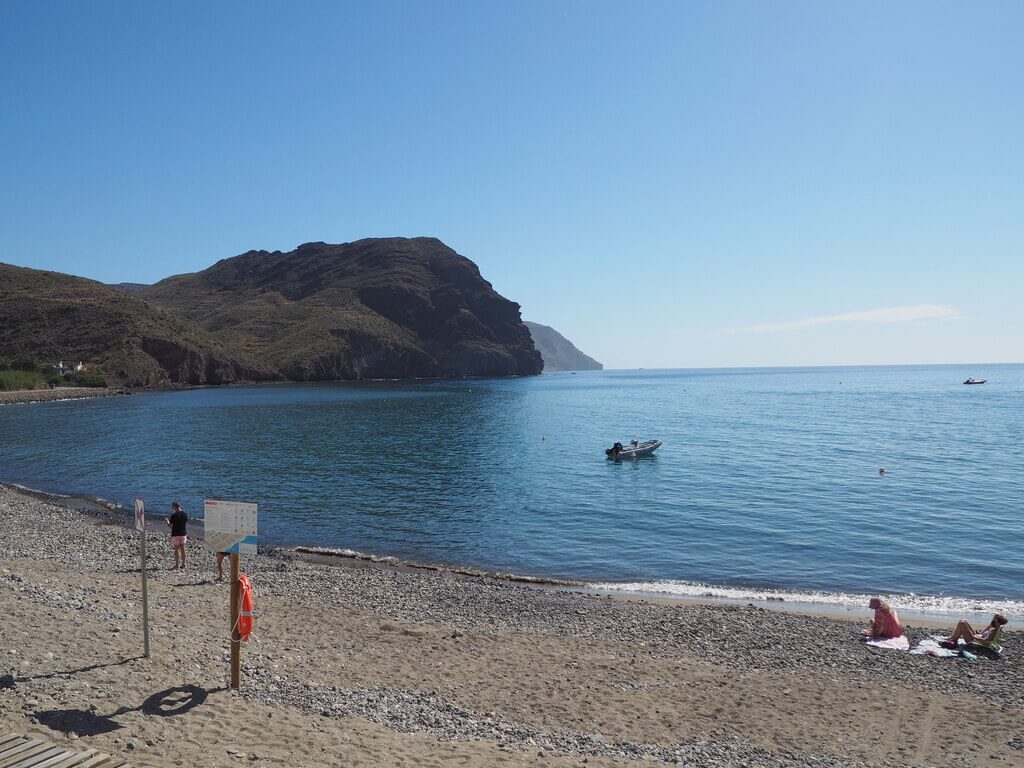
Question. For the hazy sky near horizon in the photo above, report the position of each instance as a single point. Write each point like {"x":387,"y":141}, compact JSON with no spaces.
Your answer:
{"x":667,"y":183}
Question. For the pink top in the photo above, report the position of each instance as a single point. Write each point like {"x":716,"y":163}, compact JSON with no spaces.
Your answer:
{"x":889,"y":622}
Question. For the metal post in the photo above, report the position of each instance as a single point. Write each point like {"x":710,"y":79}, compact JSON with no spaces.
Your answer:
{"x":145,"y":601}
{"x":236,"y":665}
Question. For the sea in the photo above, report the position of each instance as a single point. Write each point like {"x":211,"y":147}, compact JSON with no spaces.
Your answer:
{"x":767,"y":485}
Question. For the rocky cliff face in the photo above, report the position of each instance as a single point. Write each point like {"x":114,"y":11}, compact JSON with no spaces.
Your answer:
{"x":376,"y":308}
{"x":558,"y":352}
{"x":56,"y":316}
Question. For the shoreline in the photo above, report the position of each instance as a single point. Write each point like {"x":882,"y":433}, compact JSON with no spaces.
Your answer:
{"x":843,"y":606}
{"x":57,"y":395}
{"x":60,"y":394}
{"x":368,"y":665}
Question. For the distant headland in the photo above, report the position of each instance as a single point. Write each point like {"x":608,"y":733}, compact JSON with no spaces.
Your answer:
{"x":558,"y":352}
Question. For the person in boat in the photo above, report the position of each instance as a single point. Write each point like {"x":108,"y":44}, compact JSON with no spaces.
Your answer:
{"x":634,"y":442}
{"x":989,"y":637}
{"x":886,"y":622}
{"x":615,"y":450}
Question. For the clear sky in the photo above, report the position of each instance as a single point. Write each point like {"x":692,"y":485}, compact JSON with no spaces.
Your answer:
{"x":668,"y":184}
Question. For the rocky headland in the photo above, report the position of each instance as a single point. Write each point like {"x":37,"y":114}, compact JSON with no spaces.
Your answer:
{"x":375,"y":308}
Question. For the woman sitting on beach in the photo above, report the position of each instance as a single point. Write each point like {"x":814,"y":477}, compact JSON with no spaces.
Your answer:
{"x":886,"y":623}
{"x":990,"y":636}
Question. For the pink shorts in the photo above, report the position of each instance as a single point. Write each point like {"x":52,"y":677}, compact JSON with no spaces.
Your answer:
{"x":178,"y":540}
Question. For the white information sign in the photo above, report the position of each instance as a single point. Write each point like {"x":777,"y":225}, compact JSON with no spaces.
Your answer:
{"x":140,"y":516}
{"x":230,"y":526}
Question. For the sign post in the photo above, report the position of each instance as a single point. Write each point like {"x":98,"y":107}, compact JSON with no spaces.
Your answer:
{"x":140,"y":526}
{"x":230,"y":526}
{"x":236,"y":645}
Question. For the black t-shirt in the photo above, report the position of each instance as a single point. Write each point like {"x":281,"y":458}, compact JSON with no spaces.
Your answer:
{"x":178,"y":522}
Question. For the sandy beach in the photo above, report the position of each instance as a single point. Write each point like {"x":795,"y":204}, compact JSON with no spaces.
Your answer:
{"x":369,"y":665}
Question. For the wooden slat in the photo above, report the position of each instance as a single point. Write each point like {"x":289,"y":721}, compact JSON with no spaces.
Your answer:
{"x":98,"y":761}
{"x":13,"y":746}
{"x":17,"y":751}
{"x":60,"y":756}
{"x":7,"y":756}
{"x":75,"y":759}
{"x":40,"y":756}
{"x":22,"y":757}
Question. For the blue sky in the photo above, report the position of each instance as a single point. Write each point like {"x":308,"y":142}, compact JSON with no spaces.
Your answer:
{"x":668,"y":184}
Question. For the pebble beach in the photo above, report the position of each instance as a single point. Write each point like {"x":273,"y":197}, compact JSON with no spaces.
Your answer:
{"x":55,"y":395}
{"x":362,"y":664}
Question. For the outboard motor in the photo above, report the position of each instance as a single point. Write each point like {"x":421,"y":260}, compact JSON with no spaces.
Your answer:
{"x":614,"y":451}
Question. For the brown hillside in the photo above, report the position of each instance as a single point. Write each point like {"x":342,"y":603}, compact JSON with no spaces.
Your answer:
{"x":57,"y":316}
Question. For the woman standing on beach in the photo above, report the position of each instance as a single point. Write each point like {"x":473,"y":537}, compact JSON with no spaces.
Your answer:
{"x":177,"y":523}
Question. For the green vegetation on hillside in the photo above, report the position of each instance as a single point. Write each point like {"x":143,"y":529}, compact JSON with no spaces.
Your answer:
{"x":25,"y":371}
{"x":85,"y":379}
{"x":13,"y":380}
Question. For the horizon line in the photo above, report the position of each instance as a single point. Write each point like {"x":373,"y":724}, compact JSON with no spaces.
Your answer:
{"x":783,"y":367}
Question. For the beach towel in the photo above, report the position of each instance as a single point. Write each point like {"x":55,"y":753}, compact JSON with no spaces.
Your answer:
{"x":932,"y":646}
{"x":891,"y":643}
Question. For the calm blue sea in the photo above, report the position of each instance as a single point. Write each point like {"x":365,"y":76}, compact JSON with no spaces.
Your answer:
{"x":768,"y":478}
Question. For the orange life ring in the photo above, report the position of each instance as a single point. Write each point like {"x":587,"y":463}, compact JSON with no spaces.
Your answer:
{"x":245,"y":607}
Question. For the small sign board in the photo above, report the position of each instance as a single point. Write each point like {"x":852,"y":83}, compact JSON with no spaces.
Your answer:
{"x":140,"y":516}
{"x":230,"y":526}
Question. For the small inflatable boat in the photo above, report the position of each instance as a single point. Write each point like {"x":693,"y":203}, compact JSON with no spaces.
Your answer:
{"x":633,"y":450}
{"x":975,"y":381}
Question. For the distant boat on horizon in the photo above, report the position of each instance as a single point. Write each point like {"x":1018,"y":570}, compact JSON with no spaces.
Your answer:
{"x":975,"y":381}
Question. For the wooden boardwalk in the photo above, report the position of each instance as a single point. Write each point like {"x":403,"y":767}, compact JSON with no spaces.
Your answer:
{"x":28,"y":752}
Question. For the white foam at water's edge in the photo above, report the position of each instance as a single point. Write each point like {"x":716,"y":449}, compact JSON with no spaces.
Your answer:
{"x":925,"y":604}
{"x":26,"y":489}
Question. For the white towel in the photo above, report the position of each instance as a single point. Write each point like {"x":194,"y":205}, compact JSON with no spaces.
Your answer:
{"x":893,"y":643}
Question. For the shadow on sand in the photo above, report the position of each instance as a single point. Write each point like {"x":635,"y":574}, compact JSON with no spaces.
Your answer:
{"x":168,"y":703}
